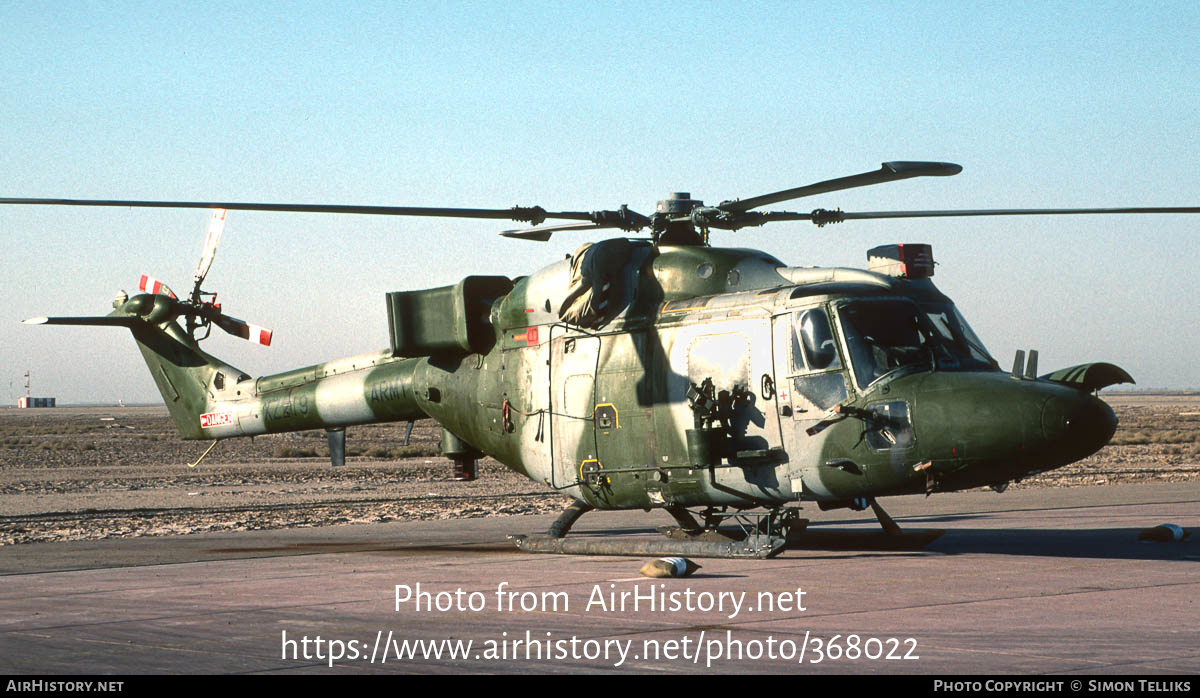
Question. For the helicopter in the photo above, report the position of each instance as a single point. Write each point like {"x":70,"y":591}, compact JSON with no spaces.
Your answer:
{"x":718,"y":384}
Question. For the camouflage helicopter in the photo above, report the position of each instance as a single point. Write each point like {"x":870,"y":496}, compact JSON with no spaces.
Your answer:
{"x":718,"y":384}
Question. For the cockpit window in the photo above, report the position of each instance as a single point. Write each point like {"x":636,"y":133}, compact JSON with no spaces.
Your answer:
{"x":956,"y":333}
{"x":885,"y":337}
{"x":893,"y":336}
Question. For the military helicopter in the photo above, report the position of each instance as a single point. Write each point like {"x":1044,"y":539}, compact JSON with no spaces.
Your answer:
{"x":718,"y":384}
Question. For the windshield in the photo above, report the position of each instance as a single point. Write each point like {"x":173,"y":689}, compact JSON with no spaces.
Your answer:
{"x":891,"y":337}
{"x":884,"y":337}
{"x":960,"y":348}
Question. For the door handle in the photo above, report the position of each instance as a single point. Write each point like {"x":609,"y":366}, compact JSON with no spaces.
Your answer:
{"x":767,"y":386}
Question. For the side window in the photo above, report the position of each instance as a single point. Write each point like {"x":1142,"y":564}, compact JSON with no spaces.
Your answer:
{"x":817,"y":383}
{"x":813,"y":346}
{"x":889,"y":426}
{"x":797,"y":354}
{"x":817,"y":393}
{"x":725,"y":358}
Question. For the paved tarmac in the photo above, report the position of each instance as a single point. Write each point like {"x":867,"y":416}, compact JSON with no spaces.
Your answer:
{"x":1028,"y":582}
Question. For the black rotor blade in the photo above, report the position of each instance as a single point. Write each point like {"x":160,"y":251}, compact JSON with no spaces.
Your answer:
{"x":836,"y":216}
{"x":889,"y":172}
{"x":530,"y":214}
{"x":823,"y":217}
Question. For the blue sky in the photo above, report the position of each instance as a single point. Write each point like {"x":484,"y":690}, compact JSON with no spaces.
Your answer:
{"x":582,"y":106}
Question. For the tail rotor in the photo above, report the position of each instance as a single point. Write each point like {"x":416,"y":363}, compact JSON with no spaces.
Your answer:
{"x":201,"y":309}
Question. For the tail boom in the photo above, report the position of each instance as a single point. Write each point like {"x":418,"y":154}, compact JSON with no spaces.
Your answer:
{"x":209,"y":399}
{"x":359,"y":390}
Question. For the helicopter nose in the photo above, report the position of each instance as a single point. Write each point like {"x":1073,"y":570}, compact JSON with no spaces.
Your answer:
{"x":1081,"y":424}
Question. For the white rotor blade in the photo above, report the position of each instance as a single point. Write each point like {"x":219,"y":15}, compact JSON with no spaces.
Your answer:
{"x":215,"y":226}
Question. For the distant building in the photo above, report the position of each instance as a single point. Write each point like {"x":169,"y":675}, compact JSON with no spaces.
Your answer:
{"x":24,"y":402}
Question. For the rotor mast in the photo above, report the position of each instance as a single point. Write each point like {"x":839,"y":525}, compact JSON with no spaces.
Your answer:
{"x":672,"y":222}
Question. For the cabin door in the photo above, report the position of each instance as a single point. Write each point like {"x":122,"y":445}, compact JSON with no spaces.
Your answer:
{"x":572,"y":403}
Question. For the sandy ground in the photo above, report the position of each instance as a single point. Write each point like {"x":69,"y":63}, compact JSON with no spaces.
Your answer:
{"x":101,"y":472}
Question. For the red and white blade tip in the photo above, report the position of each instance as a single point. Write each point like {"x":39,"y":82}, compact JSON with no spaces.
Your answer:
{"x":260,"y":335}
{"x":252,"y":333}
{"x":149,"y":284}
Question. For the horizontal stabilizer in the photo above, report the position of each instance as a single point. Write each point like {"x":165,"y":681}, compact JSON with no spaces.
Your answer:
{"x":103,"y":320}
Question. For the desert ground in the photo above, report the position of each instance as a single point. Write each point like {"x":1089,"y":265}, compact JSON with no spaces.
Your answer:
{"x":77,"y":473}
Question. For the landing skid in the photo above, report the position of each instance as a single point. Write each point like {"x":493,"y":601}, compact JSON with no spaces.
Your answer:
{"x":736,"y":534}
{"x":656,"y":546}
{"x":760,"y":534}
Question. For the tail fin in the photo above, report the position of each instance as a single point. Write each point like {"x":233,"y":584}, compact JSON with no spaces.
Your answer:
{"x":187,"y":378}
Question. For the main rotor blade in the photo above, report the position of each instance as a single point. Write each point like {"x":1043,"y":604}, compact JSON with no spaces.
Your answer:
{"x":543,"y":234}
{"x":889,"y":172}
{"x":530,"y":214}
{"x":822,"y":216}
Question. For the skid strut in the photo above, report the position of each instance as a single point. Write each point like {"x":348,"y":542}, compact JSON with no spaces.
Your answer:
{"x":761,"y":534}
{"x":687,"y":522}
{"x":890,"y":527}
{"x":567,"y":519}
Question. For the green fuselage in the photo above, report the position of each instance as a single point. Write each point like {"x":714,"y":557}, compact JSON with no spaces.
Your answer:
{"x":713,"y":377}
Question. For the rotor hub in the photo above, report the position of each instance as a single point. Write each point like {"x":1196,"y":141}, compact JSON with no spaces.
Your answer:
{"x":679,"y":203}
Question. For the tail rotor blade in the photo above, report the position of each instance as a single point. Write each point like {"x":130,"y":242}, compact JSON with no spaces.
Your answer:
{"x":247,"y":331}
{"x":149,"y":284}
